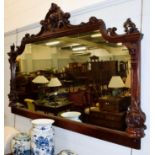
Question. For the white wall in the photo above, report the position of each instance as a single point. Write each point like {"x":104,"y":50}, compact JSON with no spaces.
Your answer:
{"x":114,"y":13}
{"x":35,"y":10}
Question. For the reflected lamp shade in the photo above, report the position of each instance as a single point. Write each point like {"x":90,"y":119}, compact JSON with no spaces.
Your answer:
{"x":116,"y":82}
{"x":128,"y":81}
{"x":40,"y":79}
{"x":54,"y":82}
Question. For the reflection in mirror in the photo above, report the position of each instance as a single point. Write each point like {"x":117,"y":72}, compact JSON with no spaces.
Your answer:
{"x":80,"y":77}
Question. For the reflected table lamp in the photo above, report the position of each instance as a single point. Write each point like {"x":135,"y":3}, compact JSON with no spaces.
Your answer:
{"x":116,"y":83}
{"x":41,"y":81}
{"x":55,"y":84}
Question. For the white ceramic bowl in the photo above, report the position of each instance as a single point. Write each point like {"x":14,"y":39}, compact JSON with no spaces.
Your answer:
{"x":66,"y":152}
{"x":73,"y":115}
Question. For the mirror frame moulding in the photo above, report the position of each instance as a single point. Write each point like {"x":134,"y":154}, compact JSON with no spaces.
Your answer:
{"x":57,"y":24}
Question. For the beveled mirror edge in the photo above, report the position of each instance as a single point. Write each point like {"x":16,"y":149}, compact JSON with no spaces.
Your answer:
{"x":57,"y":24}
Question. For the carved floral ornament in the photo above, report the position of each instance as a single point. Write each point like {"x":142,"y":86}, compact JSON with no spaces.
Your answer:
{"x":57,"y":24}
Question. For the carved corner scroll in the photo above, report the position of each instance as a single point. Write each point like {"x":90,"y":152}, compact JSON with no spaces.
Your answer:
{"x":130,"y":27}
{"x":135,"y":117}
{"x":57,"y":24}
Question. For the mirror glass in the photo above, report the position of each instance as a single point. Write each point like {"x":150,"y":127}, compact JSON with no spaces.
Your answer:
{"x":80,"y":77}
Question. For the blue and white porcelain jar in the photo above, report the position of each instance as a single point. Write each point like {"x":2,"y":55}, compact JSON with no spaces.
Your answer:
{"x":42,"y":137}
{"x":20,"y":144}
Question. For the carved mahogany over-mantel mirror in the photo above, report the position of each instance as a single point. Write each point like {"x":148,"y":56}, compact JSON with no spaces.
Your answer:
{"x":83,"y":76}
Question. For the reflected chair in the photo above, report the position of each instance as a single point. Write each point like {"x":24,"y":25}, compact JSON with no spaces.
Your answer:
{"x":79,"y":100}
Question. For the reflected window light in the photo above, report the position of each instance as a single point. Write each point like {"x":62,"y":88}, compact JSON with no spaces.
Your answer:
{"x":79,"y":48}
{"x":53,"y":43}
{"x":74,"y":44}
{"x":119,"y":44}
{"x":96,"y":35}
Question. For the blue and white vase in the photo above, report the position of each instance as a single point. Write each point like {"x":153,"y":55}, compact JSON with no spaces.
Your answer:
{"x":20,"y":144}
{"x":42,"y":137}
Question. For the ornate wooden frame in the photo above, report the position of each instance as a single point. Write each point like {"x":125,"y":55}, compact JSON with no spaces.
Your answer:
{"x":57,"y":24}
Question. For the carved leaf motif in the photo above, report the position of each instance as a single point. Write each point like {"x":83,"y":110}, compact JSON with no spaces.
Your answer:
{"x":135,"y":116}
{"x":135,"y":120}
{"x":55,"y":19}
{"x":13,"y":53}
{"x":93,"y":20}
{"x":112,"y":31}
{"x":130,"y":27}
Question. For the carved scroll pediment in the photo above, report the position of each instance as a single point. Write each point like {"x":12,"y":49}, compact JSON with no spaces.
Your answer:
{"x":55,"y":19}
{"x":129,"y":28}
{"x":112,"y":31}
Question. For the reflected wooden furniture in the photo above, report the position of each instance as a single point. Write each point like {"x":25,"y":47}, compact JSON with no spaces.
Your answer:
{"x":111,"y":113}
{"x":52,"y":107}
{"x":102,"y":71}
{"x":107,"y":119}
{"x":21,"y":86}
{"x":79,"y":100}
{"x":77,"y":72}
{"x":114,"y":103}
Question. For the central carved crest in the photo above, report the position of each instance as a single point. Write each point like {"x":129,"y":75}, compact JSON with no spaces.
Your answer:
{"x":55,"y":19}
